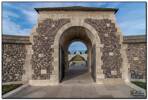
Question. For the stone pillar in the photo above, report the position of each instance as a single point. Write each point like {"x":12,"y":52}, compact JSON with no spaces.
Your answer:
{"x":54,"y":77}
{"x":99,"y":71}
{"x":27,"y":66}
{"x":125,"y":64}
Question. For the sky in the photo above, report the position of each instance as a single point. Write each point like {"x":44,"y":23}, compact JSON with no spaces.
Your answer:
{"x":77,"y":46}
{"x":20,"y":17}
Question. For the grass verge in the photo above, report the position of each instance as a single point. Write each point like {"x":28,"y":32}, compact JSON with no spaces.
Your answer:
{"x":140,"y":84}
{"x":7,"y":88}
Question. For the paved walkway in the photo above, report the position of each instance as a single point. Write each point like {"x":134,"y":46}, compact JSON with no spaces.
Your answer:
{"x":77,"y":75}
{"x":75,"y":91}
{"x":76,"y":85}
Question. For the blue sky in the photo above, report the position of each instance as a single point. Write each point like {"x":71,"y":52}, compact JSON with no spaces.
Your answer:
{"x":77,"y":45}
{"x":19,"y":18}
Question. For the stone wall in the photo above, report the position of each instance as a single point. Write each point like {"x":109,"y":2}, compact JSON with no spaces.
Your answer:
{"x":14,"y":50}
{"x":136,"y":53}
{"x":42,"y":48}
{"x":111,"y":57}
{"x":13,"y":57}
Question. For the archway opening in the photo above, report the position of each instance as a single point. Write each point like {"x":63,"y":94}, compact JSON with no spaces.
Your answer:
{"x":77,"y":61}
{"x":70,"y":68}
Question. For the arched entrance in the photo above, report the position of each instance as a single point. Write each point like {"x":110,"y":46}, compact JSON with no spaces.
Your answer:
{"x":77,"y":31}
{"x":72,"y":34}
{"x":107,"y":54}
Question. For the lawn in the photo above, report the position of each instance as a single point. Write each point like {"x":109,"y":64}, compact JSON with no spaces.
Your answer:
{"x":140,"y":84}
{"x":7,"y":88}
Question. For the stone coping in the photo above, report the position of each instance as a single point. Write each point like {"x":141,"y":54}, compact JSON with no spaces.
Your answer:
{"x":14,"y":39}
{"x":14,"y":82}
{"x":134,"y":39}
{"x":76,"y":8}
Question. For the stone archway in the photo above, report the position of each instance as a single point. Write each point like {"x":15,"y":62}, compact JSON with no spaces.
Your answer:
{"x":110,"y":56}
{"x":76,"y":33}
{"x":96,"y":41}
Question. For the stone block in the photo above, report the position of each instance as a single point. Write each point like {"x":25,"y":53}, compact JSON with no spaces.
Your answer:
{"x":43,"y":71}
{"x":41,"y":55}
{"x":52,"y":25}
{"x":8,"y":59}
{"x":136,"y":58}
{"x":111,"y":53}
{"x":114,"y":72}
{"x":45,"y":38}
{"x":106,"y":35}
{"x":108,"y":25}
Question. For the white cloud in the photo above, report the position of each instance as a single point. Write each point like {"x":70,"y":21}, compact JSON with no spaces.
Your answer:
{"x":11,"y":28}
{"x":31,"y":16}
{"x":7,"y":14}
{"x":133,"y":27}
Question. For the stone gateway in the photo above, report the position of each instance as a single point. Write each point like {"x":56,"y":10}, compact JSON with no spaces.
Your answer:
{"x":41,"y":58}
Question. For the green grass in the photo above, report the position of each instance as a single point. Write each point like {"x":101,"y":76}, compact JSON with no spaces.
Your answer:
{"x":140,"y":84}
{"x":7,"y":88}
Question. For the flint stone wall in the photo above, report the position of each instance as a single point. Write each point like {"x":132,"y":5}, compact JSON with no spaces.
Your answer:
{"x":42,"y":48}
{"x":111,"y":57}
{"x":136,"y":53}
{"x":14,"y":49}
{"x":13,"y":57}
{"x":43,"y":41}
